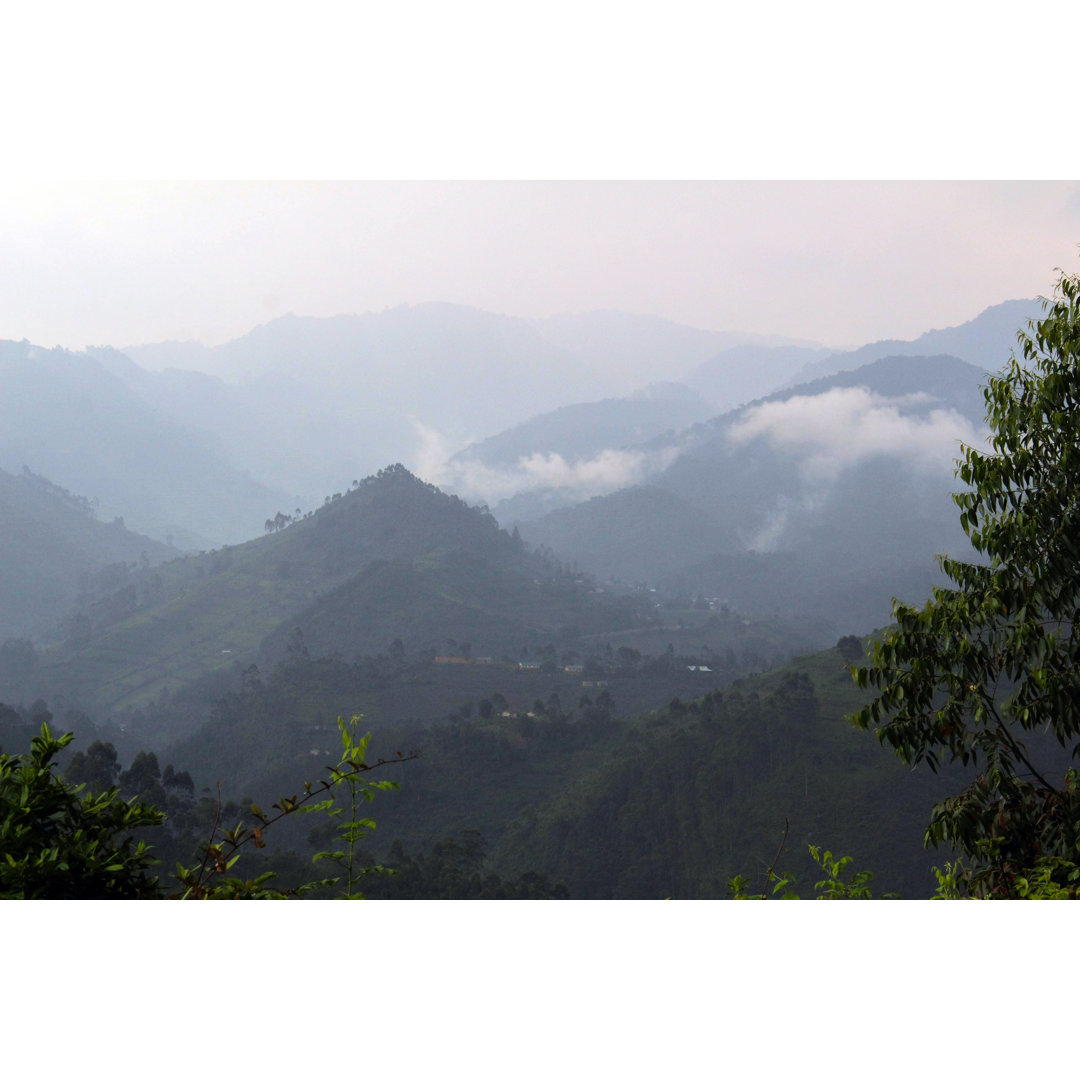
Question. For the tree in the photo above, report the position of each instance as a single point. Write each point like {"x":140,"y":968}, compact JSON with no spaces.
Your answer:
{"x":144,"y":776}
{"x":976,"y":673}
{"x":209,"y":880}
{"x":97,"y":769}
{"x":58,"y":844}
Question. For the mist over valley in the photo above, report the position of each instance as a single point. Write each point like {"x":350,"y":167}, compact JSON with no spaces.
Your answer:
{"x":537,"y":534}
{"x":564,"y":493}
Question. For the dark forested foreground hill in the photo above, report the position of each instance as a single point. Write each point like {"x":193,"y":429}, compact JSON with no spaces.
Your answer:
{"x":671,"y":800}
{"x":704,"y":790}
{"x":665,"y":799}
{"x":599,"y":764}
{"x":679,"y":800}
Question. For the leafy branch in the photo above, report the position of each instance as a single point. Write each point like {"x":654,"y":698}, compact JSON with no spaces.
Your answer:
{"x":222,"y":850}
{"x":832,"y":887}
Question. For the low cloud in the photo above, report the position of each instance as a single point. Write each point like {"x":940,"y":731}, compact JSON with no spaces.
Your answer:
{"x":838,"y":429}
{"x":580,"y":479}
{"x":430,"y":457}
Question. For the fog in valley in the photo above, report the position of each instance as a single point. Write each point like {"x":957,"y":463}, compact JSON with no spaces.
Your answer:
{"x":517,"y":470}
{"x":512,"y":452}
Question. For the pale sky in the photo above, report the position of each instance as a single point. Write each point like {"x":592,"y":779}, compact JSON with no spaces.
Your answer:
{"x":839,"y":263}
{"x":577,"y":114}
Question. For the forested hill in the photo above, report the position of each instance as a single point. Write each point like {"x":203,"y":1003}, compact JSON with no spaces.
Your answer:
{"x":393,"y":557}
{"x":51,"y":545}
{"x":667,"y":799}
{"x":830,"y":497}
{"x":704,"y":790}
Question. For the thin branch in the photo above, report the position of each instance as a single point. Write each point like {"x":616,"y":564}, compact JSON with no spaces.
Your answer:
{"x":1016,"y":748}
{"x":776,"y":858}
{"x":213,"y":833}
{"x":286,"y":807}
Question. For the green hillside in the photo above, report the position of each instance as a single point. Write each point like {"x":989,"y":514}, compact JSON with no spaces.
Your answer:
{"x":669,"y":794}
{"x":393,"y":557}
{"x":497,"y":602}
{"x":638,"y":534}
{"x":702,"y":791}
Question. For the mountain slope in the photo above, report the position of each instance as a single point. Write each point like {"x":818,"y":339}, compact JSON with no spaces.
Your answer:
{"x":50,"y":545}
{"x":636,"y":343}
{"x":340,"y":396}
{"x":834,"y":494}
{"x":643,"y":532}
{"x":573,"y":453}
{"x":580,"y":432}
{"x":329,"y":399}
{"x":65,"y":416}
{"x":745,"y":372}
{"x":985,"y":341}
{"x":497,"y":602}
{"x":392,"y":557}
{"x":703,"y":790}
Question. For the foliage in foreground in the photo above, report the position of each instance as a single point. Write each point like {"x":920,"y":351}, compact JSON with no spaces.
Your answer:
{"x":210,"y":880}
{"x":984,"y":666}
{"x":454,"y":869}
{"x":58,"y":843}
{"x":834,"y":886}
{"x":971,"y":677}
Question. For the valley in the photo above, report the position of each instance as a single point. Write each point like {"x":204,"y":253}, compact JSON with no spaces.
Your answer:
{"x":617,"y":632}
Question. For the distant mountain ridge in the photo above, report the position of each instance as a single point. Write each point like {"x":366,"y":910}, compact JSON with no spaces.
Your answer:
{"x":743,"y":373}
{"x":637,"y":342}
{"x":736,"y":375}
{"x":578,"y":432}
{"x":831,"y":503}
{"x":572,"y":453}
{"x":183,"y":454}
{"x":335,"y":398}
{"x":73,"y":418}
{"x":984,"y":341}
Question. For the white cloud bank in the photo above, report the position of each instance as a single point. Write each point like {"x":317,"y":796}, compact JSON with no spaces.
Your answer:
{"x":846,"y":425}
{"x":579,"y":479}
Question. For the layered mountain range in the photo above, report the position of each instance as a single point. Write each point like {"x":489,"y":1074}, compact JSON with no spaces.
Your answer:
{"x":823,"y":498}
{"x":833,"y":496}
{"x":671,"y":510}
{"x":391,"y":558}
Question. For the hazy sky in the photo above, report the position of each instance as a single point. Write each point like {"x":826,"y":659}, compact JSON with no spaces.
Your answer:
{"x":840,"y":263}
{"x":578,"y":111}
